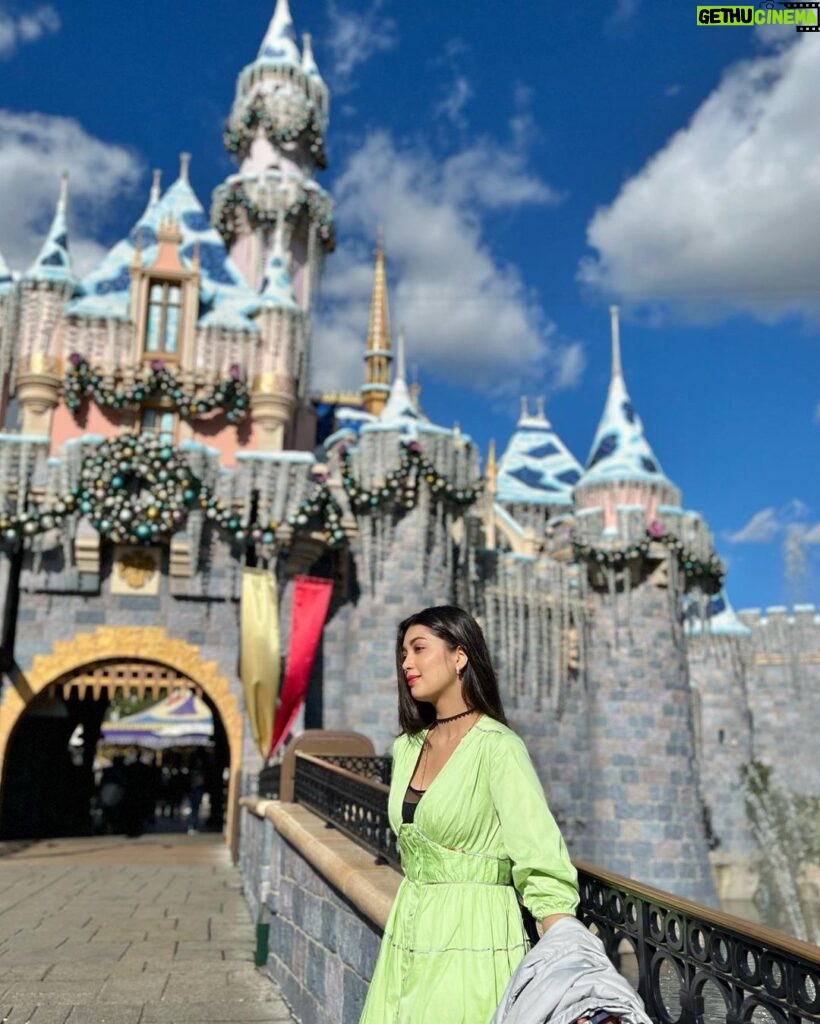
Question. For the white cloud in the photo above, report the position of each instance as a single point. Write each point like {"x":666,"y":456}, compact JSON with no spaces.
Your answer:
{"x":625,"y":11}
{"x":465,"y":313}
{"x":791,"y":519}
{"x":817,"y":413}
{"x":761,"y":528}
{"x":26,"y":28}
{"x":451,"y":108}
{"x":725,"y":217}
{"x":354,"y":37}
{"x":34,"y":148}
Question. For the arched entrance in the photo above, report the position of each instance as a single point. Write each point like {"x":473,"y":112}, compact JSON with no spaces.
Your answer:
{"x":121,"y":658}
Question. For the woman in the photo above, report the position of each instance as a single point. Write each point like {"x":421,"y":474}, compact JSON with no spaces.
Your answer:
{"x":473,"y":826}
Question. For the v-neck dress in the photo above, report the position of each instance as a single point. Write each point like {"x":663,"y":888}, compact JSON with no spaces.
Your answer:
{"x":482,"y":830}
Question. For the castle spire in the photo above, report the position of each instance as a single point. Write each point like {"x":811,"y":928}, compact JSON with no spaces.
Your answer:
{"x":154,"y":195}
{"x":620,"y":452}
{"x":53,"y":262}
{"x":308,"y":60}
{"x":279,"y":44}
{"x":401,"y":368}
{"x":378,"y":355}
{"x":617,"y":368}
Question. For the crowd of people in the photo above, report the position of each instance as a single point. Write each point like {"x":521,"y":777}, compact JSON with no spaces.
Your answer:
{"x":145,"y":791}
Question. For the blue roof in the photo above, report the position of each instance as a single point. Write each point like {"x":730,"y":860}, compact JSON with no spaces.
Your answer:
{"x":720,"y":619}
{"x":536,"y":468}
{"x":279,"y":45}
{"x":620,"y":452}
{"x":226,"y":298}
{"x":53,"y":262}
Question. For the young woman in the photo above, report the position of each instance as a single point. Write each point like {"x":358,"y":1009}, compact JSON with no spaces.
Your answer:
{"x":473,"y":827}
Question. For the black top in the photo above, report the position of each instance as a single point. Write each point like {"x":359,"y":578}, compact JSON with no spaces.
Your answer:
{"x":410,"y":803}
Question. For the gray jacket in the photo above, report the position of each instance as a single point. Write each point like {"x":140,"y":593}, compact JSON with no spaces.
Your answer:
{"x":565,"y":976}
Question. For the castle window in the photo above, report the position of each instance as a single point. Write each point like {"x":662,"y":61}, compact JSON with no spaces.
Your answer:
{"x":162,"y":322}
{"x":159,"y":424}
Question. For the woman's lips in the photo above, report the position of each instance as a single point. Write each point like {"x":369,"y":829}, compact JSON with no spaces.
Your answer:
{"x":412,"y":679}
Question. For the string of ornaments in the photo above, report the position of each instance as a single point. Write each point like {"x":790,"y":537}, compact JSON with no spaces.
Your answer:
{"x":400,"y":487}
{"x":239,"y":133}
{"x":230,"y":396}
{"x":235,"y":198}
{"x":709,"y":572}
{"x":137,"y":490}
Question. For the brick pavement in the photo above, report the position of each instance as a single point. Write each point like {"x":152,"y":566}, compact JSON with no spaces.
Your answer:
{"x":111,"y":930}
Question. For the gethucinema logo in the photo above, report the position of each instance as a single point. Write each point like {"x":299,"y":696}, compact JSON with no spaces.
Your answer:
{"x":804,"y":15}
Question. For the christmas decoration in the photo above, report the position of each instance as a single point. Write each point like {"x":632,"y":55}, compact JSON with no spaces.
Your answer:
{"x":708,"y":574}
{"x":138,"y":490}
{"x":240,"y":132}
{"x":82,"y":382}
{"x":233,"y":198}
{"x":400,"y":486}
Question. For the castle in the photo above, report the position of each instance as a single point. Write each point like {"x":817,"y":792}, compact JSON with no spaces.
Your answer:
{"x":160,"y":433}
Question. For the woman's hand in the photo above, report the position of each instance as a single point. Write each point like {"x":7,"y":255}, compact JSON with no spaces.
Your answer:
{"x":547,"y":922}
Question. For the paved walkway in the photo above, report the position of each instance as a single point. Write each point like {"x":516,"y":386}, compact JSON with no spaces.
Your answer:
{"x":127,"y":931}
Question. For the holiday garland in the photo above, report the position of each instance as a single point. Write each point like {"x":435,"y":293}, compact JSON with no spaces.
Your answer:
{"x":709,"y":572}
{"x":239,"y":133}
{"x":229,"y":395}
{"x":137,"y":490}
{"x":234,"y":197}
{"x":401,"y":484}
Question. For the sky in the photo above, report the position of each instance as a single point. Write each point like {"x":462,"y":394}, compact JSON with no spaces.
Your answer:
{"x":531,"y":164}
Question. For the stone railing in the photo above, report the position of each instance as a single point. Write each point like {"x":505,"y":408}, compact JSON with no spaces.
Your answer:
{"x":324,"y":894}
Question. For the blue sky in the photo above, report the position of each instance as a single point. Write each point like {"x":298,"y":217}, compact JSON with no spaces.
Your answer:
{"x":530,"y":163}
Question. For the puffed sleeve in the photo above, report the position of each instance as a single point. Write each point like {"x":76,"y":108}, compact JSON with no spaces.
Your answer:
{"x":542,"y":871}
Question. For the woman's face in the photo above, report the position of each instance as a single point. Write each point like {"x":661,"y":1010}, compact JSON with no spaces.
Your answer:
{"x":430,"y":667}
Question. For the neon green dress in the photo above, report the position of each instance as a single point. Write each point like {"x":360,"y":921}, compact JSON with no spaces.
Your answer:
{"x":454,"y":935}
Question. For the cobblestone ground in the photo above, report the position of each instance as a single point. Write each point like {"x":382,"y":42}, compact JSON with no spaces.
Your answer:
{"x":128,"y":931}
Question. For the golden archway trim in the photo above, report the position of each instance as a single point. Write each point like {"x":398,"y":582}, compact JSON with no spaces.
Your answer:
{"x":128,"y":644}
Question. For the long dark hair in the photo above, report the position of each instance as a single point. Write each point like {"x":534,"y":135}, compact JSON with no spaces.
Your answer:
{"x":456,"y":628}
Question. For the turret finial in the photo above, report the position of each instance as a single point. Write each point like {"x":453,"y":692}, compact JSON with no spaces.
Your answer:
{"x":539,"y":408}
{"x":155,"y":186}
{"x":617,"y":369}
{"x":62,"y":202}
{"x":184,"y":164}
{"x":401,"y":368}
{"x":524,"y":407}
{"x":490,"y":472}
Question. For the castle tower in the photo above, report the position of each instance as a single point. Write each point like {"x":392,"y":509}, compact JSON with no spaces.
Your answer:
{"x":646,"y":813}
{"x":281,"y":368}
{"x":378,"y":355}
{"x":45,"y":287}
{"x":275,"y":132}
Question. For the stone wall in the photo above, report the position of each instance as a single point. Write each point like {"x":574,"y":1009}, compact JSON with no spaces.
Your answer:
{"x":322,"y":947}
{"x":646,"y":808}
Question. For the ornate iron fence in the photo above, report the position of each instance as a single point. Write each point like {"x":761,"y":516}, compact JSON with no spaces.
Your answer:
{"x":691,"y":965}
{"x":354,"y":804}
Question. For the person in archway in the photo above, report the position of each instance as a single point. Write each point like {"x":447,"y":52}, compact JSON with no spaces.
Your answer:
{"x":473,"y":827}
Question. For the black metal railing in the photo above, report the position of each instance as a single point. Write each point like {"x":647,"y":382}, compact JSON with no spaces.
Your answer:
{"x":690,"y":964}
{"x":269,"y":781}
{"x":354,"y":804}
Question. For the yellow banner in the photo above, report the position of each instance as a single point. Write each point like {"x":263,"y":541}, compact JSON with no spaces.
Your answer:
{"x":259,"y":657}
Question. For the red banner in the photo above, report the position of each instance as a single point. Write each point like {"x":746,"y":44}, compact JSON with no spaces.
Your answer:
{"x":311,"y":598}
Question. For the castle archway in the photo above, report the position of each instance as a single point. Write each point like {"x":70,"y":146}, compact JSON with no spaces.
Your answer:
{"x":116,"y":659}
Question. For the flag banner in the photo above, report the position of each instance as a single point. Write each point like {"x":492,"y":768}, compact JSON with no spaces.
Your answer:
{"x":259,"y":652}
{"x":311,"y":599}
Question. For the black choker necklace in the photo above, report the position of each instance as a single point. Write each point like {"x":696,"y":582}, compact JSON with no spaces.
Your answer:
{"x":452,"y":718}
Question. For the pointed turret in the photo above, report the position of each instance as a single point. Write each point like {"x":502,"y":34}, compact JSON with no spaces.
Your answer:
{"x":309,"y":65}
{"x":277,"y":286}
{"x":279,"y":44}
{"x":536,"y":468}
{"x":53,"y":262}
{"x":378,"y":355}
{"x":400,"y":405}
{"x":720,"y":619}
{"x":620,"y":452}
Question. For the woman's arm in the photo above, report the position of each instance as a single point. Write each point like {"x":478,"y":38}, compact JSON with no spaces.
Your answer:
{"x":542,"y":872}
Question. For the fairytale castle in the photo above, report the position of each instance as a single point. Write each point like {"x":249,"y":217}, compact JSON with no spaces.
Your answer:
{"x":159,"y":433}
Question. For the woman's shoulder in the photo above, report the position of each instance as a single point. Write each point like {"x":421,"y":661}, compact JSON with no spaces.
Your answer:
{"x":407,"y":742}
{"x":498,"y":733}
